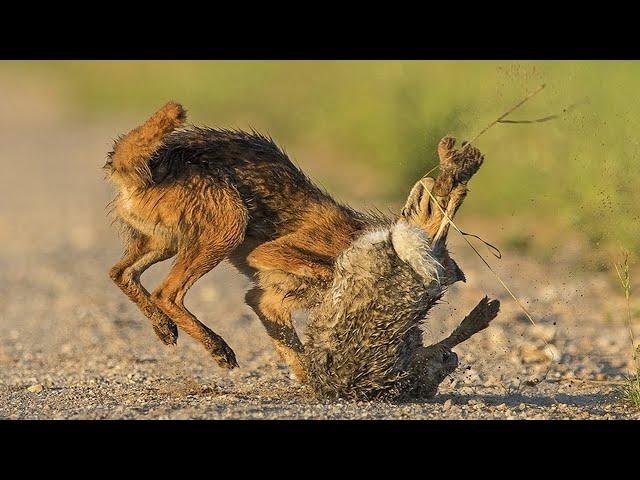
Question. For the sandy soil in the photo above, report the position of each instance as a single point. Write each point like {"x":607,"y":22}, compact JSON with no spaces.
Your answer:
{"x":72,"y":346}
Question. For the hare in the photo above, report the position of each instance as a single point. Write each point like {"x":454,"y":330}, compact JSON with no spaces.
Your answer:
{"x":364,"y":339}
{"x":203,"y":195}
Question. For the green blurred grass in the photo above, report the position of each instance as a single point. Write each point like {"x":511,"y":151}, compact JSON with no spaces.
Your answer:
{"x":370,"y":127}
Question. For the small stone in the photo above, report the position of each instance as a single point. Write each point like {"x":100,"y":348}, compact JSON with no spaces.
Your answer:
{"x":37,"y":388}
{"x":522,"y":406}
{"x":447,"y":405}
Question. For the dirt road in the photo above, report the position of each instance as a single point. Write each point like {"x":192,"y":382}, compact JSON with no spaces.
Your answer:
{"x":67,"y":329}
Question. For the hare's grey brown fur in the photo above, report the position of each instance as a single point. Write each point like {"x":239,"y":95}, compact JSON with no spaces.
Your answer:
{"x":364,"y":339}
{"x":203,"y":195}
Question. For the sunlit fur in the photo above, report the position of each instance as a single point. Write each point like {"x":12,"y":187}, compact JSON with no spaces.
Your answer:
{"x":202,"y":195}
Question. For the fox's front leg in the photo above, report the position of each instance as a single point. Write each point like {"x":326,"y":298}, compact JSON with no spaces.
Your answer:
{"x":457,"y":166}
{"x":142,"y":252}
{"x":283,"y":254}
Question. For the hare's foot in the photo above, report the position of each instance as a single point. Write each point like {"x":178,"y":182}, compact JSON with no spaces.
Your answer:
{"x":478,"y":319}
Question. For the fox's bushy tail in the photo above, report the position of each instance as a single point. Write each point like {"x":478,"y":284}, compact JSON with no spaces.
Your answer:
{"x":129,"y":161}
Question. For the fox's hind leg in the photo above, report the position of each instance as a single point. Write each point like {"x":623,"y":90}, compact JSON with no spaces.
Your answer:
{"x":221,"y":220}
{"x":189,"y":267}
{"x":142,"y":252}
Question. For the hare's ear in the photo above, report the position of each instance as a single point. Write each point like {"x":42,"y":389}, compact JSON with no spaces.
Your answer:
{"x":452,"y":272}
{"x":418,"y":205}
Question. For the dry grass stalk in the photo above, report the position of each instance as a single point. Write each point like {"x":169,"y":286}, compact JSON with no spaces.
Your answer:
{"x":631,"y":388}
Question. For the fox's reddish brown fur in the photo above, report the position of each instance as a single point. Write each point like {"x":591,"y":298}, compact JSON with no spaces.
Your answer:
{"x":204,"y":195}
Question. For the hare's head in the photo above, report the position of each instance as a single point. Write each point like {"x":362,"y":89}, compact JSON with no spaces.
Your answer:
{"x":431,"y":366}
{"x":364,"y":338}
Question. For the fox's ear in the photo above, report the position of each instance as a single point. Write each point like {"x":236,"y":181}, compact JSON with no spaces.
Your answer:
{"x":418,"y":205}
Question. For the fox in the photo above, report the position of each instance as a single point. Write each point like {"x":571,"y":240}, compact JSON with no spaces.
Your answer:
{"x":202,"y":195}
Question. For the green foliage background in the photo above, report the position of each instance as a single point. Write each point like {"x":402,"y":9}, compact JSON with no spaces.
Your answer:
{"x":368,"y":129}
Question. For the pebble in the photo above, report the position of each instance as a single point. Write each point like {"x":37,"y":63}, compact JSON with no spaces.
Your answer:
{"x":37,"y":388}
{"x":447,"y":405}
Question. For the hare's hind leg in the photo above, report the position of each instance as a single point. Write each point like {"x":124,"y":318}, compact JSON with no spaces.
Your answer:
{"x":142,"y":252}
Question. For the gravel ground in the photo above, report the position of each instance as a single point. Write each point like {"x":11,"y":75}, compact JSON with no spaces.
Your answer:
{"x":72,"y":346}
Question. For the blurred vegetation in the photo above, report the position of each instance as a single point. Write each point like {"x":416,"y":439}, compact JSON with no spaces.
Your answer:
{"x":369,"y":129}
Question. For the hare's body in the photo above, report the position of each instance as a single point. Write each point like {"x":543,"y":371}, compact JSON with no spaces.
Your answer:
{"x":204,"y":195}
{"x":364,"y":338}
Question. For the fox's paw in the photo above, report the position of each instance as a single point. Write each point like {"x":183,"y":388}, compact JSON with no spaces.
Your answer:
{"x":461,"y":163}
{"x":446,"y":147}
{"x":166,"y":330}
{"x":221,"y":352}
{"x":468,"y":160}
